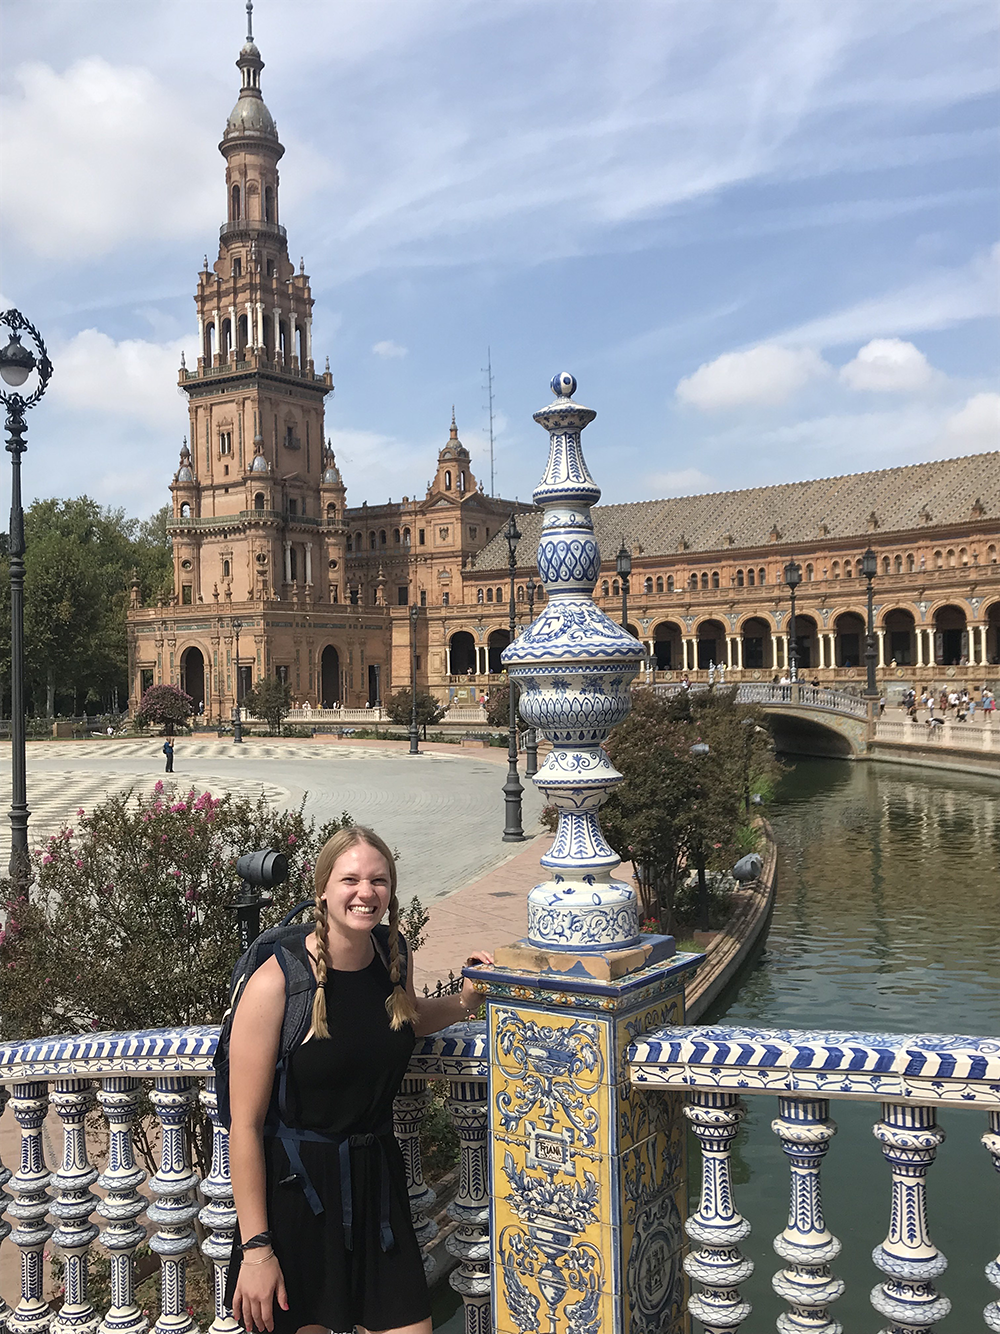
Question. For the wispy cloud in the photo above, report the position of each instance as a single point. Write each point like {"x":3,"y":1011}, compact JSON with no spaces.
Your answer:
{"x":387,"y":348}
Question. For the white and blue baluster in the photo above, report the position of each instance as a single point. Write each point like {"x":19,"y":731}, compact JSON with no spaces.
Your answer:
{"x":575,"y":666}
{"x":992,"y":1142}
{"x":122,"y":1203}
{"x":718,"y":1264}
{"x":5,"y":1175}
{"x":807,"y":1246}
{"x":29,"y":1103}
{"x":72,"y":1206}
{"x":176,"y":1206}
{"x":470,"y":1242}
{"x":408,"y":1111}
{"x":219,"y":1215}
{"x":909,"y":1259}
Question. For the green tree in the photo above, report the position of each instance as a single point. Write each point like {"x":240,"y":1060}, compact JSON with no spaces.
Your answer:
{"x":498,"y":710}
{"x":270,"y":699}
{"x":674,"y":808}
{"x":164,"y":704}
{"x":429,"y":710}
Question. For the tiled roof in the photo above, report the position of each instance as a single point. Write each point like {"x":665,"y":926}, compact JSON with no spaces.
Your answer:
{"x":791,"y":514}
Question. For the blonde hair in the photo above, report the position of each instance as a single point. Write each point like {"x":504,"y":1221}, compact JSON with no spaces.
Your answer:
{"x":399,"y":1007}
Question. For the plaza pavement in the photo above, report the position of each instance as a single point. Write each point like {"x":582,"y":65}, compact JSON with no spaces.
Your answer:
{"x":442,"y":810}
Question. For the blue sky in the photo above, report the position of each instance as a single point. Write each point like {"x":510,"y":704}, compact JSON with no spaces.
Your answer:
{"x":763,"y":234}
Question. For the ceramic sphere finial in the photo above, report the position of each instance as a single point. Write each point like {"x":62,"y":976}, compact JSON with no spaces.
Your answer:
{"x":563,"y":385}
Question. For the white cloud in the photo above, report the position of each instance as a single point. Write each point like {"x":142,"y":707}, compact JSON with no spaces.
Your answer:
{"x":387,"y":348}
{"x":679,"y":482}
{"x":132,"y":378}
{"x":940,"y":300}
{"x":977,"y":425}
{"x":764,"y":375}
{"x":888,"y":365}
{"x":101,"y":153}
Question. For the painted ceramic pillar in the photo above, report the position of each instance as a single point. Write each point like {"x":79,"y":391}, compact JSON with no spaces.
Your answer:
{"x":587,"y":1173}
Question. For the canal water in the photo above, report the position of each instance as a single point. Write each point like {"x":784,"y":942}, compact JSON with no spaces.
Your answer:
{"x":886,"y":920}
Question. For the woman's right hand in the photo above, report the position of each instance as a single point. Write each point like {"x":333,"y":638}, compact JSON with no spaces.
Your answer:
{"x":257,"y":1288}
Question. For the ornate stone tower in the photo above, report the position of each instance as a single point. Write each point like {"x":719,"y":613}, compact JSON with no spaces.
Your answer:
{"x":258,"y":501}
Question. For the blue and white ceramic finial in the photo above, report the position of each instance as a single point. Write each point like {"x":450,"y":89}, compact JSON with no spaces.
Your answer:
{"x":574,"y":666}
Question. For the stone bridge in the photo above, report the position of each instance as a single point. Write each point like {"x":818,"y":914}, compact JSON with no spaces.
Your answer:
{"x":807,"y":720}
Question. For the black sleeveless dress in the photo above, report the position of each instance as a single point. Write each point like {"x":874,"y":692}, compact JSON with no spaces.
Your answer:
{"x":344,"y":1085}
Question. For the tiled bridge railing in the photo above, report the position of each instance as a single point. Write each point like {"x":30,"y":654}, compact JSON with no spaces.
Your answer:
{"x":714,"y":1068}
{"x":70,"y":1074}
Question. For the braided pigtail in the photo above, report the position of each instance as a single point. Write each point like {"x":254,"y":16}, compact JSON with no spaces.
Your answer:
{"x":400,"y":1008}
{"x":319,"y":1024}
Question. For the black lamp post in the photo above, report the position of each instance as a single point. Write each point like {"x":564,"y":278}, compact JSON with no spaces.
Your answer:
{"x":793,"y":577}
{"x":869,"y":568}
{"x":512,"y":830}
{"x":701,"y":750}
{"x":414,"y":734}
{"x":531,"y":736}
{"x":623,"y":564}
{"x":16,"y":364}
{"x":237,"y":712}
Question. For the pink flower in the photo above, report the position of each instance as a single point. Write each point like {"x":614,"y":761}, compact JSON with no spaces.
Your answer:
{"x":47,"y":858}
{"x":79,"y":864}
{"x":159,"y":786}
{"x":292,"y":839}
{"x":79,"y":810}
{"x":176,"y":874}
{"x":178,"y":807}
{"x":93,"y":1024}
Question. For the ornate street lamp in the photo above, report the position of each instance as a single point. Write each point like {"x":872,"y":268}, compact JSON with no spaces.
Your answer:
{"x":414,"y":734}
{"x":869,"y":568}
{"x":793,"y":577}
{"x":237,"y":713}
{"x":512,"y":830}
{"x":623,"y":564}
{"x":531,"y":736}
{"x":16,"y":364}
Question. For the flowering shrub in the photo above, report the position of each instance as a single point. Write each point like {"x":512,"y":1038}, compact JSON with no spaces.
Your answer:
{"x":128,"y":923}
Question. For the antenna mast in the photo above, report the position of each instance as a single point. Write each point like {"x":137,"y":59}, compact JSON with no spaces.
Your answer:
{"x":488,"y":372}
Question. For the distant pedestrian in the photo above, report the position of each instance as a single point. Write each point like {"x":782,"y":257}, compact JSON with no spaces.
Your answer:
{"x":168,"y":750}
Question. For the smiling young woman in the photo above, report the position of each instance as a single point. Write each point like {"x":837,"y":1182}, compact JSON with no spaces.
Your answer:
{"x":322,"y":1201}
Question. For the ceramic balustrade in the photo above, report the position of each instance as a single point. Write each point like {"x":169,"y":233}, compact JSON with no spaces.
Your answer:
{"x":71,"y":1074}
{"x":910,"y":1076}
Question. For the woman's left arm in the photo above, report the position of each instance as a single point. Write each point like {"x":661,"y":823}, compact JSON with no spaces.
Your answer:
{"x":437,"y":1012}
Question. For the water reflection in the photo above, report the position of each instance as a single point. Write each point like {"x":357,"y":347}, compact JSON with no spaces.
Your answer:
{"x":885,"y":920}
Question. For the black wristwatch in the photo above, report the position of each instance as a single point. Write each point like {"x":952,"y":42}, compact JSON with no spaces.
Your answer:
{"x":256,"y":1243}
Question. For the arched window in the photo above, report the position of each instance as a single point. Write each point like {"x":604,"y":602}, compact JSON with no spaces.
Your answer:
{"x":358,"y":544}
{"x":520,"y":592}
{"x":350,"y":543}
{"x":809,"y":574}
{"x":886,"y":565}
{"x":499,"y":594}
{"x":185,"y":511}
{"x":395,"y":537}
{"x":715,"y":578}
{"x":704,"y":579}
{"x":670,"y":583}
{"x":445,"y":599}
{"x":226,"y":345}
{"x":540,"y":594}
{"x":406,"y":537}
{"x":963,"y":556}
{"x":693,"y":581}
{"x":739,"y":578}
{"x":751,"y":578}
{"x":991,"y":554}
{"x":225,"y":569}
{"x":480,"y":595}
{"x":331,"y":513}
{"x":489,"y":595}
{"x":615,"y":588}
{"x":447,"y":479}
{"x":235,"y":209}
{"x":258,"y":500}
{"x":938,"y":560}
{"x":382,"y":538}
{"x":659,"y":583}
{"x":951,"y":559}
{"x":268,"y":204}
{"x":762,"y":576}
{"x":899,"y":564}
{"x":372,"y":541}
{"x":910,"y":562}
{"x":605,"y":588}
{"x":848,"y":570}
{"x":461,"y":481}
{"x":835,"y":570}
{"x":647,"y":584}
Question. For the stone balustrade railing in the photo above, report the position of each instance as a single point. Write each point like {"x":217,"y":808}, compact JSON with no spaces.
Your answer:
{"x":72,"y":1074}
{"x":766,"y":692}
{"x":909,"y":1076}
{"x":945,"y":732}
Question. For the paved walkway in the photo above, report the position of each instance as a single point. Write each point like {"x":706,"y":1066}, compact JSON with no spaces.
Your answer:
{"x":442,"y":809}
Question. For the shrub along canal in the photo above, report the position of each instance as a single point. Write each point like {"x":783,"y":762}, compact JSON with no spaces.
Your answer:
{"x":886,"y":920}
